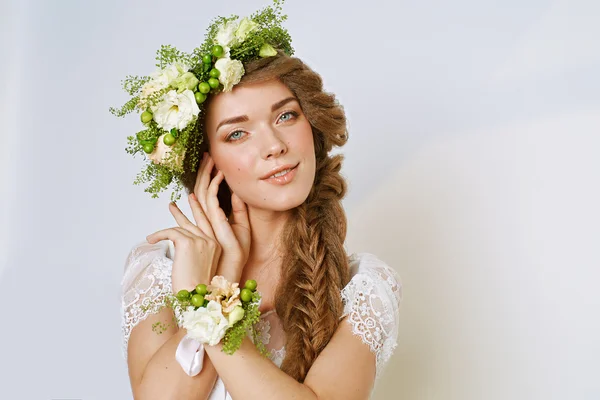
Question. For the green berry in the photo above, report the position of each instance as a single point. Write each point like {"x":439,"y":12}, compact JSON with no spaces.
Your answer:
{"x":183,"y":294}
{"x":148,"y":148}
{"x":200,"y":97}
{"x":213,"y":83}
{"x":214,"y":73}
{"x":197,"y":300}
{"x":169,"y":139}
{"x":217,"y":50}
{"x":250,"y":284}
{"x":204,"y":87}
{"x":207,"y":59}
{"x":246,"y":295}
{"x":201,"y":289}
{"x":146,"y":117}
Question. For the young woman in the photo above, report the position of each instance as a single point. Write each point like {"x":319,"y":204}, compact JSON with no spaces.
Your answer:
{"x":266,"y":203}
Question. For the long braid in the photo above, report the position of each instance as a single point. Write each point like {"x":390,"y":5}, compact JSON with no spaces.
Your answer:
{"x":315,"y":269}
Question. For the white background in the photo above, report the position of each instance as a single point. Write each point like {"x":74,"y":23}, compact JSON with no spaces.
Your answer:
{"x":473,"y":164}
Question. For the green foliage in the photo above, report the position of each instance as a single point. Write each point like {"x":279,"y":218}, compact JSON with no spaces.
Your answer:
{"x":168,"y":55}
{"x":235,"y":335}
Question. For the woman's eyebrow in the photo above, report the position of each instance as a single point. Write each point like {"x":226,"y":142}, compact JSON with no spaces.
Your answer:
{"x":244,"y":118}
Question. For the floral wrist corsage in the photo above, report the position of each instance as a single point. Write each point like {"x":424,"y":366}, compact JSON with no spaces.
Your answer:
{"x":219,"y":312}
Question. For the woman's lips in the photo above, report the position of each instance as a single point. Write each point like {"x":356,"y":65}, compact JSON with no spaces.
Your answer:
{"x":283,"y":179}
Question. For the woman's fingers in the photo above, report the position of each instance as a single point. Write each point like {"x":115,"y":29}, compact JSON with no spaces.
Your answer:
{"x":240,"y":212}
{"x":203,"y":181}
{"x":199,"y":173}
{"x":200,"y":217}
{"x":175,"y":235}
{"x":217,"y":217}
{"x":183,"y":221}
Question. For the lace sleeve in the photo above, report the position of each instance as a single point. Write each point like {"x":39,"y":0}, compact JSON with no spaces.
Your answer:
{"x":371,"y":302}
{"x":145,"y":285}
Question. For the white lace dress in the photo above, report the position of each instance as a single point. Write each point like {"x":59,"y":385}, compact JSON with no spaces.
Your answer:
{"x":371,"y":302}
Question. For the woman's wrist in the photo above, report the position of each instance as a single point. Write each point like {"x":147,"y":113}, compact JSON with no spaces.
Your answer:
{"x":190,"y":283}
{"x":233,"y":273}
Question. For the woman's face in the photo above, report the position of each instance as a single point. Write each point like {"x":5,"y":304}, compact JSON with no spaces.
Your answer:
{"x":255,"y":130}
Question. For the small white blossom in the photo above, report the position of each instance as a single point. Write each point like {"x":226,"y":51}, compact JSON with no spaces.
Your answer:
{"x":231,"y":72}
{"x":166,"y":75}
{"x":160,"y":79}
{"x":226,"y":34}
{"x":206,"y":324}
{"x":176,"y":110}
{"x":245,"y":27}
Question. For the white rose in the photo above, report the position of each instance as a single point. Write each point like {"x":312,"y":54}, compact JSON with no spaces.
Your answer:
{"x":206,"y":325}
{"x":176,"y":110}
{"x":246,"y":26}
{"x":231,"y":72}
{"x":161,"y":79}
{"x":166,"y":75}
{"x":226,"y":34}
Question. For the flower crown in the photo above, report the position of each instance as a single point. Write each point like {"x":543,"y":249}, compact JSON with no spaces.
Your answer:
{"x":172,"y":98}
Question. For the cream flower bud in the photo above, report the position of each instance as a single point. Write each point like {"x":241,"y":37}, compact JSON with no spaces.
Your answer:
{"x":186,"y":81}
{"x":236,"y":315}
{"x":266,"y":50}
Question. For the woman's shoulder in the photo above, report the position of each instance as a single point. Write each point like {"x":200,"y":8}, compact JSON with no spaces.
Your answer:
{"x":372,"y":304}
{"x":367,"y":269}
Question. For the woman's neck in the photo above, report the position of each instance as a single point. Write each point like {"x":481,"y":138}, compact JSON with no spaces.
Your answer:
{"x":264,"y":261}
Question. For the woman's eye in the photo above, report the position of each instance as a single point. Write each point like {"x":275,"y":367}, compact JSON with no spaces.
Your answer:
{"x":288,"y":114}
{"x":237,"y":135}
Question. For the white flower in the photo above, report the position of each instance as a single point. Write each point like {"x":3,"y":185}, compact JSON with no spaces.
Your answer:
{"x":246,"y":26}
{"x":161,"y":153}
{"x":231,"y":72}
{"x":226,"y":34}
{"x":206,"y":325}
{"x":176,"y":110}
{"x":161,"y":79}
{"x":166,"y":75}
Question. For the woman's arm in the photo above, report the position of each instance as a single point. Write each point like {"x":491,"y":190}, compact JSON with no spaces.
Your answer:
{"x":153,"y":370}
{"x":345,"y":369}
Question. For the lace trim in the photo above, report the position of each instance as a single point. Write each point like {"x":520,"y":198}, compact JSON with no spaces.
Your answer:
{"x":148,"y":292}
{"x":373,"y":308}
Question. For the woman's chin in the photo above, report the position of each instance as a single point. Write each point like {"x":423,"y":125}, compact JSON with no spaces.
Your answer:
{"x":280,"y":204}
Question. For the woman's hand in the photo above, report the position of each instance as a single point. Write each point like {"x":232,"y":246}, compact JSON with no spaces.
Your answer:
{"x":197,"y":251}
{"x":233,"y":235}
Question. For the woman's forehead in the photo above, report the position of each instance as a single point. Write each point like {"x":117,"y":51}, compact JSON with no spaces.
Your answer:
{"x":246,"y":98}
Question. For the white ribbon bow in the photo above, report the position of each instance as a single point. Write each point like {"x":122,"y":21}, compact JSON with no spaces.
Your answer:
{"x":190,"y":355}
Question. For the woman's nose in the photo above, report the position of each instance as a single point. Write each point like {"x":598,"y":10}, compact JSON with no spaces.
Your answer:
{"x":273,"y":144}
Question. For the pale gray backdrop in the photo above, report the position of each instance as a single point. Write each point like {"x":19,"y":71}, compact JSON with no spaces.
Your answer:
{"x":473,"y":169}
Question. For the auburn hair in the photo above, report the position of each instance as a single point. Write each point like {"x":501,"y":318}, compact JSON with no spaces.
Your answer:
{"x":315,"y":263}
